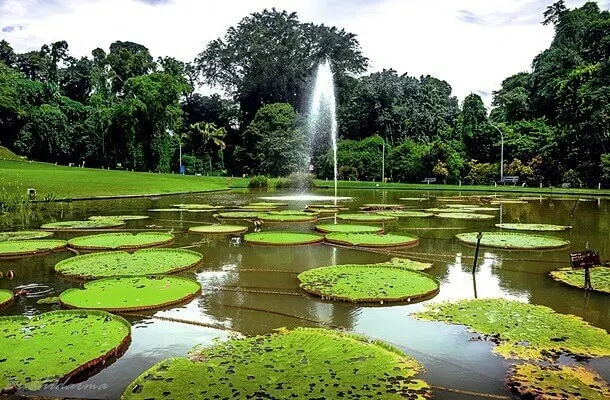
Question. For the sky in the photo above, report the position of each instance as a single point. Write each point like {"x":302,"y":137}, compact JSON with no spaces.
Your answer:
{"x":472,"y":44}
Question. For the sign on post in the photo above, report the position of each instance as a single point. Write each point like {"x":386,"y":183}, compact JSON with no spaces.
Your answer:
{"x":585,"y":259}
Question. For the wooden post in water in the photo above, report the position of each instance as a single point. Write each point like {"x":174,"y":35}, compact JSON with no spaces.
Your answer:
{"x":476,"y":253}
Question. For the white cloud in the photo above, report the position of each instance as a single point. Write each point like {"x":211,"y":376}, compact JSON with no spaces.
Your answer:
{"x":472,"y":44}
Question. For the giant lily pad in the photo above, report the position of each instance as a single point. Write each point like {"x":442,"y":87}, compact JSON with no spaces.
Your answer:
{"x":405,"y":214}
{"x":289,"y":216}
{"x":382,"y":206}
{"x":57,"y":345}
{"x":368,"y":283}
{"x":534,"y":227}
{"x":119,"y":217}
{"x":266,"y":204}
{"x":21,"y":248}
{"x":523,"y":330}
{"x":282,"y":238}
{"x":121,"y":241}
{"x":508,"y":201}
{"x":219,"y":229}
{"x":167,"y":210}
{"x":197,"y":206}
{"x":600,"y":278}
{"x":521,"y":241}
{"x":6,"y":296}
{"x":465,"y":216}
{"x":406,"y":263}
{"x":24,"y":235}
{"x":88,"y":224}
{"x":132,"y":293}
{"x":371,"y":239}
{"x":121,"y":263}
{"x":554,"y":382}
{"x":347,"y":228}
{"x":303,"y":363}
{"x":366,"y":218}
{"x":239,"y":215}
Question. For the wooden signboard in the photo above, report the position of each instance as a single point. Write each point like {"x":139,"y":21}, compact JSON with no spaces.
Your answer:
{"x":585,"y":259}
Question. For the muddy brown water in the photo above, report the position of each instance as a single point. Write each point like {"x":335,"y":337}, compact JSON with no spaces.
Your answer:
{"x":233,"y":273}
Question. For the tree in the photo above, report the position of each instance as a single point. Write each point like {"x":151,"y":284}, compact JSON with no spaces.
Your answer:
{"x":474,"y":129}
{"x":554,"y":12}
{"x":203,"y":137}
{"x":128,"y":60}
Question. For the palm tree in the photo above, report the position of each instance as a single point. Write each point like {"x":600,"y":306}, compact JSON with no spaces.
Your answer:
{"x":204,"y":137}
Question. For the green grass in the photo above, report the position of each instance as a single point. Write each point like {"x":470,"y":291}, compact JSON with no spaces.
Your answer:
{"x":122,"y":240}
{"x":600,"y":278}
{"x":513,"y":241}
{"x":304,"y":364}
{"x":282,"y":238}
{"x":524,"y":331}
{"x":57,"y":344}
{"x":24,"y":235}
{"x":121,"y":263}
{"x":22,"y":248}
{"x":66,"y":182}
{"x":131,"y":293}
{"x":371,"y":239}
{"x":7,"y":155}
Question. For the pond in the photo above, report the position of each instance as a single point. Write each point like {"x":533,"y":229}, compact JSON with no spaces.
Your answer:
{"x":253,"y":289}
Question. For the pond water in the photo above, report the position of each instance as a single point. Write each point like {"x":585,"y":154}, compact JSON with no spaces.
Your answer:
{"x":233,"y":273}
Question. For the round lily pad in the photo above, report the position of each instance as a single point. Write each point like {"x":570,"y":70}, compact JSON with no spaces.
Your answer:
{"x":325,"y":210}
{"x":121,"y":241}
{"x":327,"y":206}
{"x":167,"y":210}
{"x":534,"y":227}
{"x":121,"y":263}
{"x":267,"y":204}
{"x":466,"y":216}
{"x":368,"y":283}
{"x":600,"y":278}
{"x":346,"y":228}
{"x":24,"y":235}
{"x":132,"y":293}
{"x":530,"y":381}
{"x":382,"y":206}
{"x":197,"y":206}
{"x":405,"y":214}
{"x":532,"y":198}
{"x":414,"y":199}
{"x":371,"y":239}
{"x":219,"y":229}
{"x":522,"y":330}
{"x":6,"y":297}
{"x":508,"y":201}
{"x":282,"y":238}
{"x":406,"y":263}
{"x":119,"y":217}
{"x":303,"y":363}
{"x":446,"y":210}
{"x":239,"y":215}
{"x":21,"y":248}
{"x":57,"y":345}
{"x":516,"y":241}
{"x":366,"y":218}
{"x":289,"y":217}
{"x":88,"y":224}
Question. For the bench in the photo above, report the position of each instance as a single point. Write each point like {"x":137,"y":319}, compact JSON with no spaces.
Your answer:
{"x":429,"y":180}
{"x":509,"y":179}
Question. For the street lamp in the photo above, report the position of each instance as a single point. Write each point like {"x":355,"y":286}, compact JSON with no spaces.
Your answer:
{"x":171,"y":134}
{"x":501,"y":150}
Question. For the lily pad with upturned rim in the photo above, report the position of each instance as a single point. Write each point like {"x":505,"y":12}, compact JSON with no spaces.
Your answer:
{"x":382,"y":207}
{"x":405,"y":214}
{"x":119,"y":217}
{"x":23,"y":248}
{"x":303,"y":363}
{"x":121,"y":263}
{"x":414,"y":199}
{"x":282,"y":238}
{"x":534,"y":227}
{"x":60,"y":344}
{"x":121,"y":241}
{"x":219,"y":229}
{"x":133,"y":293}
{"x":372,"y":240}
{"x":288,"y":217}
{"x":6,"y":297}
{"x":508,"y":201}
{"x":513,"y":241}
{"x":87,"y":224}
{"x":167,"y":210}
{"x":266,"y":204}
{"x":24,"y":235}
{"x":406,"y":263}
{"x":600,"y":278}
{"x":523,"y":331}
{"x":196,"y":206}
{"x":348,"y":228}
{"x":239,"y":215}
{"x":366,"y":218}
{"x":368,"y":283}
{"x":465,"y":216}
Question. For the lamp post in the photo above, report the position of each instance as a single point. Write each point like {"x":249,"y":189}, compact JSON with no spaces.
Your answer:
{"x":171,"y":134}
{"x":501,"y":149}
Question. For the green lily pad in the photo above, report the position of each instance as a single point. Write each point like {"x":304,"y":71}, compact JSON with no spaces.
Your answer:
{"x":460,"y":205}
{"x":56,"y":345}
{"x":88,"y":224}
{"x":382,"y":206}
{"x":366,"y":218}
{"x":119,"y":217}
{"x":24,"y":235}
{"x":293,"y":216}
{"x":414,"y":199}
{"x":22,"y":248}
{"x":481,"y":209}
{"x":534,"y":227}
{"x":555,"y":382}
{"x":347,"y":228}
{"x":513,"y":241}
{"x":6,"y":297}
{"x":371,"y":239}
{"x":219,"y":229}
{"x":446,"y":210}
{"x":267,"y":204}
{"x":465,"y":216}
{"x":508,"y":201}
{"x":522,"y":330}
{"x":368,"y":283}
{"x":325,"y":210}
{"x":121,"y":263}
{"x":197,"y":206}
{"x":406,"y":263}
{"x":303,"y":363}
{"x":405,"y":214}
{"x":282,"y":238}
{"x":327,"y":206}
{"x":600,"y":278}
{"x":134,"y":293}
{"x":239,"y":215}
{"x":121,"y":241}
{"x":532,"y":198}
{"x":167,"y":210}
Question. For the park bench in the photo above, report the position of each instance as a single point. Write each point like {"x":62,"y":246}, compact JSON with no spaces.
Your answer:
{"x":429,"y":180}
{"x":509,"y":179}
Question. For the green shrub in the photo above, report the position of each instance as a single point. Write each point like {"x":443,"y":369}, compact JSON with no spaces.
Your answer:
{"x":480,"y":174}
{"x":605,"y":164}
{"x":298,"y":181}
{"x":259,"y":182}
{"x":571,"y":177}
{"x":193,"y":164}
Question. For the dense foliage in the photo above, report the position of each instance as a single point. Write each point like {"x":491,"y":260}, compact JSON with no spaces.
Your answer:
{"x":124,"y":109}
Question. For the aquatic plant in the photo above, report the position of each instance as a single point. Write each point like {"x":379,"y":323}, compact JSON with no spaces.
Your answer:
{"x":6,"y":297}
{"x":131,"y":293}
{"x":88,"y":224}
{"x":282,"y":238}
{"x":325,"y":210}
{"x":197,"y":206}
{"x":266,"y":204}
{"x":534,"y":227}
{"x":24,"y":235}
{"x":522,"y":330}
{"x":405,"y":214}
{"x":347,"y":228}
{"x":555,"y":382}
{"x":446,"y":210}
{"x":121,"y":263}
{"x":600,"y":278}
{"x":119,"y":217}
{"x":22,"y":248}
{"x":60,"y":344}
{"x":465,"y":216}
{"x":513,"y":241}
{"x":414,"y":199}
{"x":288,"y":217}
{"x":406,"y":263}
{"x":167,"y":210}
{"x":121,"y":241}
{"x":368,"y":283}
{"x":371,"y":239}
{"x":366,"y":218}
{"x":508,"y":201}
{"x":219,"y":229}
{"x":371,"y":207}
{"x":239,"y":215}
{"x":303,"y":363}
